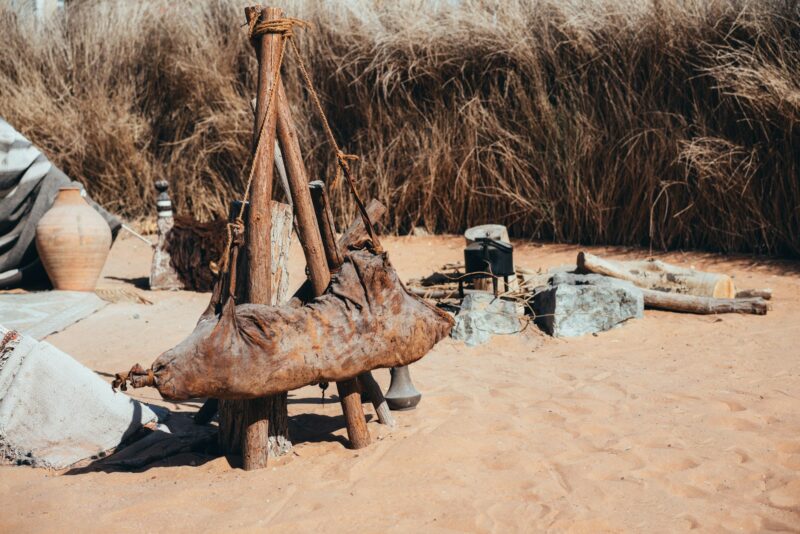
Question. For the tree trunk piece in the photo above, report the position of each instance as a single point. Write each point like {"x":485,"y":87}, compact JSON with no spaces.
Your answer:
{"x":661,"y":276}
{"x":702,"y":305}
{"x":765,"y":294}
{"x":233,"y":412}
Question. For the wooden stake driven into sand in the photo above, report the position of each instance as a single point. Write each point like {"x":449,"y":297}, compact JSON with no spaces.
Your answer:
{"x":334,"y":256}
{"x":253,"y":417}
{"x":318,"y":257}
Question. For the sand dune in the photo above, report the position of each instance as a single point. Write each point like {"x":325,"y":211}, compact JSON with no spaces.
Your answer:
{"x":669,"y":423}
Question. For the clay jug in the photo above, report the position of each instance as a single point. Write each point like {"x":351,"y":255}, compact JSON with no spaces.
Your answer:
{"x":73,"y":241}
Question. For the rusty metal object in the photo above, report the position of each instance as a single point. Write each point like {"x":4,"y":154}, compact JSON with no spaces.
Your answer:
{"x":365,"y":320}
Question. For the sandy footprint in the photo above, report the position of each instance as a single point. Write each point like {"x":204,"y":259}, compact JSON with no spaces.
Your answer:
{"x":732,"y":406}
{"x":735,"y":423}
{"x":786,"y":496}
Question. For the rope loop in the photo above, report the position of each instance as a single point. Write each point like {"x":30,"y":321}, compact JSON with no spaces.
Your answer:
{"x":342,"y":165}
{"x":282,"y":26}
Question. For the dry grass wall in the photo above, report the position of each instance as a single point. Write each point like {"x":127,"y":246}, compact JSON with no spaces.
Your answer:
{"x":670,"y":123}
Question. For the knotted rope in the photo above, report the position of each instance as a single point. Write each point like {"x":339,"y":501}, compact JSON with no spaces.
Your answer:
{"x":284,"y":27}
{"x":138,"y":376}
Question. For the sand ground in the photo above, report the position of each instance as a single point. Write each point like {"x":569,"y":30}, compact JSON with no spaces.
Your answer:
{"x":669,"y":423}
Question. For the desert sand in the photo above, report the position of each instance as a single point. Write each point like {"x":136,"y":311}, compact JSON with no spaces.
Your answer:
{"x":669,"y":423}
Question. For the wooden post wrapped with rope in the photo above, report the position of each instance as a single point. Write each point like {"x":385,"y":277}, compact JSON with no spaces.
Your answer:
{"x":257,"y":415}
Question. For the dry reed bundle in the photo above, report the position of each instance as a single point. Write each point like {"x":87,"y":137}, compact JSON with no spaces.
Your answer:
{"x":670,"y":123}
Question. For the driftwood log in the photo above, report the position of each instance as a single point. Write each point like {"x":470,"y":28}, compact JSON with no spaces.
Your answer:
{"x":676,"y":302}
{"x":765,"y":294}
{"x":661,"y":276}
{"x":365,"y":320}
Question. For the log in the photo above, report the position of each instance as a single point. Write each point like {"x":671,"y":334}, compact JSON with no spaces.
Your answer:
{"x":702,"y":305}
{"x":765,"y":294}
{"x":256,"y":412}
{"x":350,"y":399}
{"x":349,"y":391}
{"x":661,"y":276}
{"x":334,"y":256}
{"x":325,"y":220}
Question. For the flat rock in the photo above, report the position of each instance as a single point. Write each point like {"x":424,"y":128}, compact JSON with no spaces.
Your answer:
{"x":54,"y":411}
{"x":574,"y":305}
{"x":482,"y":315}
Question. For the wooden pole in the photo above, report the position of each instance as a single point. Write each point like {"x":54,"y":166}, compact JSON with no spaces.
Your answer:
{"x":349,"y":390}
{"x":325,"y":220}
{"x":373,"y":390}
{"x":348,"y":393}
{"x":305,"y":218}
{"x":255,"y":442}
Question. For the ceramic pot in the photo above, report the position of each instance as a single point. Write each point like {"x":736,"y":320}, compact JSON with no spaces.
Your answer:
{"x":73,"y":241}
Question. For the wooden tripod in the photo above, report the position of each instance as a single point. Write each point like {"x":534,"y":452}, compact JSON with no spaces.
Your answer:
{"x":259,"y":419}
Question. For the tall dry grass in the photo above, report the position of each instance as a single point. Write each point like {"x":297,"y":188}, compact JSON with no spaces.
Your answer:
{"x":671,"y":123}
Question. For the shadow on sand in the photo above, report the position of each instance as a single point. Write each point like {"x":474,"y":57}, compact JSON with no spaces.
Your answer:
{"x":181,"y":442}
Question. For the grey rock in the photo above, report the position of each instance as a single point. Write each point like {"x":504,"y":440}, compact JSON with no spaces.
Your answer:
{"x":483,"y":315}
{"x":574,"y":305}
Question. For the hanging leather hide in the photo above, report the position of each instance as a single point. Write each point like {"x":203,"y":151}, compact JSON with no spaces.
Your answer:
{"x":366,"y":320}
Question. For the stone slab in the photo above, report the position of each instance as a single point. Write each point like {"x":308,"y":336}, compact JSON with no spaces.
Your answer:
{"x":482,"y":316}
{"x":575,"y":305}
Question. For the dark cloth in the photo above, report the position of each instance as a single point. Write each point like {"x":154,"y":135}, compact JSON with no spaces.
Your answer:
{"x":29,"y":184}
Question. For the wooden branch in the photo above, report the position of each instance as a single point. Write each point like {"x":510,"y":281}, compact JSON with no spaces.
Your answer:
{"x":765,"y":294}
{"x":255,"y":443}
{"x":373,"y":390}
{"x":349,"y":391}
{"x":325,"y":221}
{"x":655,"y":274}
{"x":702,"y":305}
{"x":350,"y":399}
{"x":307,"y":228}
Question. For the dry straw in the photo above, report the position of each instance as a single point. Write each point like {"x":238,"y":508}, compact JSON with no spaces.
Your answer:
{"x":669,"y":123}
